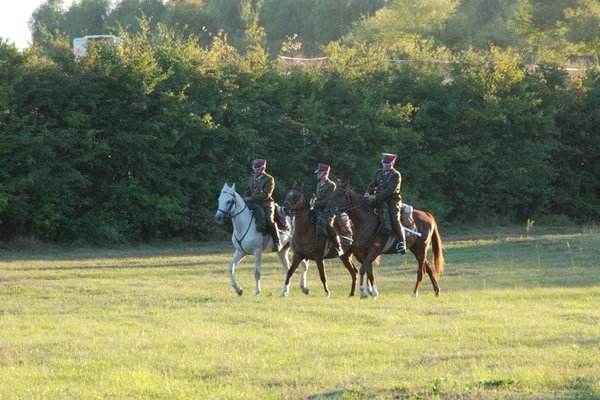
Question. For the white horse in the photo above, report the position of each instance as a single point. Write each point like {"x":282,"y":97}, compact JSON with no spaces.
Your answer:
{"x":247,"y":240}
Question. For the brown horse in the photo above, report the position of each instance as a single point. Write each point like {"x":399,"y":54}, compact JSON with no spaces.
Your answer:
{"x":307,"y":245}
{"x":370,"y":242}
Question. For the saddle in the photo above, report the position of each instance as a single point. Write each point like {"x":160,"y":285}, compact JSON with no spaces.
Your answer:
{"x":406,"y":217}
{"x":281,"y":219}
{"x":343,"y":224}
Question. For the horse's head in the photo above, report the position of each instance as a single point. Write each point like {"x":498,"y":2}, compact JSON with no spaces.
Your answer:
{"x":339,"y":200}
{"x":227,"y":203}
{"x":294,"y":201}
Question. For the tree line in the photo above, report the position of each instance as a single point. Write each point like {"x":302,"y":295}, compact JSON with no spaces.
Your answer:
{"x":134,"y":142}
{"x":566,"y":32}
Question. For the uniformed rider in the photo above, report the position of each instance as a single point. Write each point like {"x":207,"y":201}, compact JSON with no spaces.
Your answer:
{"x":384,"y":192}
{"x":259,"y":198}
{"x":325,"y":188}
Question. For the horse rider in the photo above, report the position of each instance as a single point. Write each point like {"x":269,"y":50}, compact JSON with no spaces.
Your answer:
{"x":384,"y":192}
{"x":325,"y":188}
{"x":259,"y":198}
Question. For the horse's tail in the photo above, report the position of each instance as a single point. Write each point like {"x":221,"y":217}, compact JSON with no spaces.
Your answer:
{"x":438,"y":254}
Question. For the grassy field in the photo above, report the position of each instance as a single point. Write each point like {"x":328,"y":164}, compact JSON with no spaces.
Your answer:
{"x":519,"y":318}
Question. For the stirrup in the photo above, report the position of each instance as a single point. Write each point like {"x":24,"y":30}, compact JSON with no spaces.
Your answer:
{"x":338,"y":251}
{"x":347,"y":239}
{"x":401,"y":248}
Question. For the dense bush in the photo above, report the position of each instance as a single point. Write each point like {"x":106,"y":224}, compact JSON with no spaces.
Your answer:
{"x":134,"y":143}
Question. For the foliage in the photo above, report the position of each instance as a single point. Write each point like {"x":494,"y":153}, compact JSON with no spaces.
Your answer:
{"x":131,"y":143}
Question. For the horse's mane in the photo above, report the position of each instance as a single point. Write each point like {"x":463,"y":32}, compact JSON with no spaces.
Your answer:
{"x":346,"y":186}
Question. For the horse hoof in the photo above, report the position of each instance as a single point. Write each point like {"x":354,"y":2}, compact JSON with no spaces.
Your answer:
{"x":258,"y":292}
{"x":305,"y":290}
{"x":437,"y":294}
{"x":351,"y":294}
{"x":364,"y":296}
{"x":284,"y":294}
{"x":239,"y":292}
{"x":414,"y":294}
{"x":327,"y":295}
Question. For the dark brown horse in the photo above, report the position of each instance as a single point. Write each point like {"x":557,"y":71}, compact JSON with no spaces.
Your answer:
{"x":370,"y":242}
{"x":307,"y":245}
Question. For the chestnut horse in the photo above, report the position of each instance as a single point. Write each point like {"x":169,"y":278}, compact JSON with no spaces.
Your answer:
{"x":370,"y":242}
{"x":307,"y":245}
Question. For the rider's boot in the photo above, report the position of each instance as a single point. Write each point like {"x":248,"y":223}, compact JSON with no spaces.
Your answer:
{"x":401,"y":245}
{"x":335,"y":241}
{"x":275,"y":236}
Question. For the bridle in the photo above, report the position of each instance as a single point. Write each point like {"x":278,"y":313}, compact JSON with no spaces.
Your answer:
{"x":339,"y":208}
{"x":231,"y":204}
{"x":301,"y":199}
{"x":291,"y":206}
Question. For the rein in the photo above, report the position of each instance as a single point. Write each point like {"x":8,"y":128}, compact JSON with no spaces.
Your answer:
{"x":228,"y":212}
{"x":233,"y":203}
{"x":339,"y":209}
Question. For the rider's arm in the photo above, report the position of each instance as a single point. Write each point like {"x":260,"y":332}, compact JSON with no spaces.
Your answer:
{"x":373,"y":184}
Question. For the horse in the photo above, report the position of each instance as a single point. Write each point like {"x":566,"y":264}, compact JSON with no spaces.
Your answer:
{"x":370,"y":242}
{"x":247,"y":240}
{"x":307,"y":245}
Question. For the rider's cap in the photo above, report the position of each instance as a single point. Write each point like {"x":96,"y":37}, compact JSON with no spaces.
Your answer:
{"x":388,"y":159}
{"x":258,"y":164}
{"x":322,"y":169}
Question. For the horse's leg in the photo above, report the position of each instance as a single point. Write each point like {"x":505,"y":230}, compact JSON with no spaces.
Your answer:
{"x":323,"y":276}
{"x":432,"y":277}
{"x":373,"y":253}
{"x":352,"y":269}
{"x":257,"y":264}
{"x":237,"y":257}
{"x":421,"y":260}
{"x":286,"y":286}
{"x":303,"y":277}
{"x":285,"y":260}
{"x":363,"y":287}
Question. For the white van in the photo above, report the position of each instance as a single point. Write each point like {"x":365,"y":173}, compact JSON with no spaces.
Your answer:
{"x":80,"y":43}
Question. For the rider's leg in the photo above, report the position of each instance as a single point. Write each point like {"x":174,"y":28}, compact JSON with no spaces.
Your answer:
{"x":269,"y":212}
{"x":398,"y":228}
{"x":259,"y":215}
{"x":335,"y":240}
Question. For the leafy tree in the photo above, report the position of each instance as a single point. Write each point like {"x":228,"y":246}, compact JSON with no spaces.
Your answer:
{"x":539,"y":22}
{"x":187,"y":16}
{"x":47,"y":19}
{"x":577,"y":186}
{"x":583,"y":29}
{"x":479,"y":24}
{"x":407,"y":29}
{"x":127,"y":13}
{"x":86,"y":17}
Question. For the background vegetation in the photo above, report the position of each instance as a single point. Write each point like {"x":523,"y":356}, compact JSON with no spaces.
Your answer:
{"x":518,"y":318}
{"x":134,"y":143}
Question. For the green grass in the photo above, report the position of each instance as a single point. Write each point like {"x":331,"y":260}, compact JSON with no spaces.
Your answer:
{"x":519,"y":318}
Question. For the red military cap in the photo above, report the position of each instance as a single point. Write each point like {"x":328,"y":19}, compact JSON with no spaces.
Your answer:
{"x":322,"y":169}
{"x":257,"y":164}
{"x":388,"y":159}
